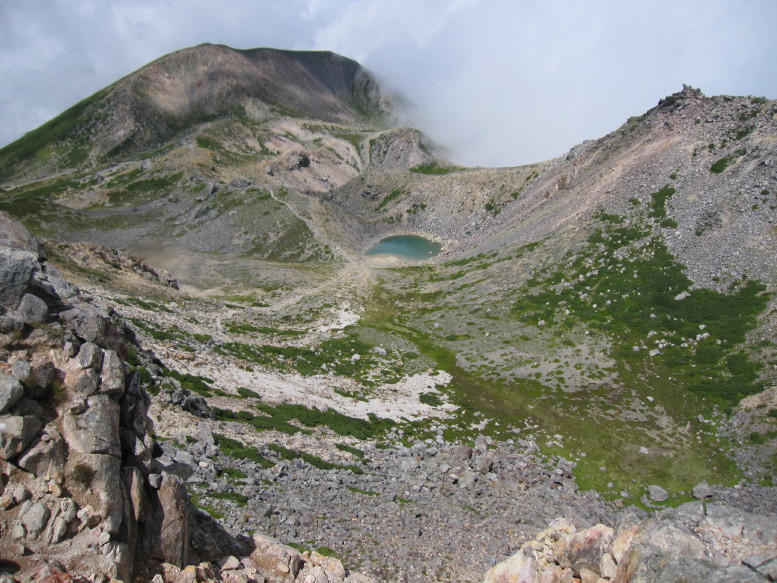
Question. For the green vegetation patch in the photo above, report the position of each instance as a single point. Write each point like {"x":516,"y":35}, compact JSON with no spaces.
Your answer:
{"x":467,"y":260}
{"x":641,"y":292}
{"x":354,"y":138}
{"x":295,"y":242}
{"x":259,"y":422}
{"x":431,"y":399}
{"x":390,"y":197}
{"x":658,"y":203}
{"x":493,"y":207}
{"x":609,"y":218}
{"x":416,"y":208}
{"x":249,"y":299}
{"x":180,"y":338}
{"x":326,"y":551}
{"x":315,"y":461}
{"x":278,"y":418}
{"x":356,"y":490}
{"x":338,"y":355}
{"x":194,"y":383}
{"x":239,"y":499}
{"x":756,"y":438}
{"x":742,"y":132}
{"x":145,"y":304}
{"x":244,"y":328}
{"x":248,"y":393}
{"x":433,"y":168}
{"x":196,"y":500}
{"x":720,"y":165}
{"x":352,"y":450}
{"x":209,"y":143}
{"x":40,"y":144}
{"x":42,"y":189}
{"x":156,"y":184}
{"x":233,"y":473}
{"x":240,"y":451}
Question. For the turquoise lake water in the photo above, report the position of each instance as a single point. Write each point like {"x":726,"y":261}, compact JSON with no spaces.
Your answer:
{"x":407,"y":247}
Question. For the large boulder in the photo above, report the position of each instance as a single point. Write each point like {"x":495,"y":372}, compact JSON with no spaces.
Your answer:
{"x":49,"y":283}
{"x":172,"y":392}
{"x":32,"y":309}
{"x":46,"y":458}
{"x":174,"y":533}
{"x":96,"y":485}
{"x":10,"y":392}
{"x":96,"y":430}
{"x":521,"y":567}
{"x":63,"y":514}
{"x":585,"y":548}
{"x":18,"y":260}
{"x":88,"y":322}
{"x":657,"y":493}
{"x":277,"y":559}
{"x":33,"y":516}
{"x":16,"y":433}
{"x":16,"y":268}
{"x":14,"y":235}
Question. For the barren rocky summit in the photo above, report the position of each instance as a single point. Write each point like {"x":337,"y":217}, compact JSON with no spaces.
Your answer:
{"x":205,"y":377}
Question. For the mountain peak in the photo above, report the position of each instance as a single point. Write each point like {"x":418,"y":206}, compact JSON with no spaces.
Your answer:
{"x":152,"y":105}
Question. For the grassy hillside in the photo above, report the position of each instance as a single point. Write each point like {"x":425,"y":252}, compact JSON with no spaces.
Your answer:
{"x":64,"y":139}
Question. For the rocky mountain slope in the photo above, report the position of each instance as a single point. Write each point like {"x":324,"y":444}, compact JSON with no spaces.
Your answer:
{"x":606,"y":316}
{"x":87,"y":493}
{"x":146,"y":109}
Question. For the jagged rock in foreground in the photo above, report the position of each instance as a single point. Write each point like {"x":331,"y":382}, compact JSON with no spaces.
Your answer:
{"x":692,"y":543}
{"x":82,"y":495}
{"x":76,"y":449}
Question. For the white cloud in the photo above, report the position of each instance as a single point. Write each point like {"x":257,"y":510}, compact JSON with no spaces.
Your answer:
{"x":370,"y":26}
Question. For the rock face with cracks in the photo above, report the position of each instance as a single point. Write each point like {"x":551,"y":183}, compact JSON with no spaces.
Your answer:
{"x":75,"y":443}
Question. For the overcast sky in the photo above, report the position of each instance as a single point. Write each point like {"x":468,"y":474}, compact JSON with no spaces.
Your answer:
{"x":498,"y":82}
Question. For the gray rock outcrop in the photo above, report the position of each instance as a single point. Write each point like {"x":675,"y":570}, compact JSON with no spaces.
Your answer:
{"x":688,"y":544}
{"x":75,"y":450}
{"x":18,"y":258}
